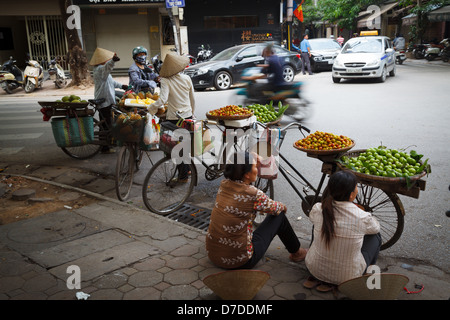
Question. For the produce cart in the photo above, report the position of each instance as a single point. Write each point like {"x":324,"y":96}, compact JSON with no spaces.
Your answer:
{"x":378,"y":193}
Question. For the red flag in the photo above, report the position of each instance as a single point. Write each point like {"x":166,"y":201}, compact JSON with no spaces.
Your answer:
{"x":298,"y":12}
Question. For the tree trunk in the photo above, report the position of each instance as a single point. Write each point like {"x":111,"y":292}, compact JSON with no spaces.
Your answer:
{"x":76,"y":56}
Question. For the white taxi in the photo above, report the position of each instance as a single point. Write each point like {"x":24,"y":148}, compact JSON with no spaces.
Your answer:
{"x":365,"y":57}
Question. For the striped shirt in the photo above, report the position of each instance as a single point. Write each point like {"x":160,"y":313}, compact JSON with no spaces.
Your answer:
{"x":343,"y":259}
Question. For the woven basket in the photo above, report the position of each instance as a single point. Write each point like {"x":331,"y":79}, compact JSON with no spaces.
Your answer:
{"x":73,"y":132}
{"x":129,"y":131}
{"x":325,"y":152}
{"x":237,"y":284}
{"x":390,"y":287}
{"x":237,"y":117}
{"x":369,"y":177}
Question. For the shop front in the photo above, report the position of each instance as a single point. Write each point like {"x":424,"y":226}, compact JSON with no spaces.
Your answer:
{"x":34,"y":28}
{"x":223,"y":24}
{"x":122,"y":25}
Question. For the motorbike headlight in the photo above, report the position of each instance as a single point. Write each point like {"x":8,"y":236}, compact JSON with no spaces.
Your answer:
{"x":372,"y":63}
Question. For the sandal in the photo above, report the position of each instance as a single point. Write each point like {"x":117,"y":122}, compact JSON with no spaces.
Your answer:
{"x":311,"y":283}
{"x":325,"y":287}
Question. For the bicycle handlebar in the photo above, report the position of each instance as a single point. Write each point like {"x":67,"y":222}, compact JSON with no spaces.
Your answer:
{"x":300,"y":127}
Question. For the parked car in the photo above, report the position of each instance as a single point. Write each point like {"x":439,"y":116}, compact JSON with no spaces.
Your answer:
{"x":323,"y":53}
{"x":365,"y":57}
{"x":225,"y":68}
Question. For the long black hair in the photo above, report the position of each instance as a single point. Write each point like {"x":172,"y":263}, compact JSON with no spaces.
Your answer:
{"x":339,"y":188}
{"x":240,"y":164}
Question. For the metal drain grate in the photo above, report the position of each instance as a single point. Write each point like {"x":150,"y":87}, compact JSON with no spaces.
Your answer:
{"x":192,"y":216}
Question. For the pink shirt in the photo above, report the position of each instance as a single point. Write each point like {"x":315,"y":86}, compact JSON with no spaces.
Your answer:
{"x":343,"y":259}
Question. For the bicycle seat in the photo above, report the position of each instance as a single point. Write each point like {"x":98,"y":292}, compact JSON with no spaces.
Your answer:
{"x":97,"y":101}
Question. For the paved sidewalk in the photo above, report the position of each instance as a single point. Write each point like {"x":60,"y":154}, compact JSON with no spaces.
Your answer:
{"x":127,"y":253}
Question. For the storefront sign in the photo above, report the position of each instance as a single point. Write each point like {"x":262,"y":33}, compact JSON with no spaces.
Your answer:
{"x":248,"y":37}
{"x":105,"y":2}
{"x":174,"y":3}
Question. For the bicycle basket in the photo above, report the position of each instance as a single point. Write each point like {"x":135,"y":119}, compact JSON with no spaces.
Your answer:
{"x":200,"y":137}
{"x":168,"y":139}
{"x":128,"y":128}
{"x":73,"y":132}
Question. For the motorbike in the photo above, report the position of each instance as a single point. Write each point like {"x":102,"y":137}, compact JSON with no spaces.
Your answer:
{"x":56,"y":73}
{"x":433,"y":52}
{"x":418,"y":50}
{"x":156,"y":63}
{"x":11,"y":77}
{"x":204,"y":54}
{"x":400,"y":56}
{"x":33,"y":76}
{"x":445,"y":53}
{"x":261,"y":92}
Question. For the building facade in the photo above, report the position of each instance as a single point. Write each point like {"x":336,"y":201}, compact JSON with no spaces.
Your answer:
{"x":222,"y":24}
{"x":35,"y":27}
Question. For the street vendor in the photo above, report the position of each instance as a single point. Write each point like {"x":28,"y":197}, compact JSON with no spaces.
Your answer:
{"x":103,"y":61}
{"x":177,"y":92}
{"x":231,"y":242}
{"x":346,"y":239}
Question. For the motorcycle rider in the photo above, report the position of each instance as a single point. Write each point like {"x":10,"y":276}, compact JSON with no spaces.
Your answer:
{"x":399,"y":42}
{"x":142,"y":78}
{"x":272,"y":70}
{"x":103,"y":61}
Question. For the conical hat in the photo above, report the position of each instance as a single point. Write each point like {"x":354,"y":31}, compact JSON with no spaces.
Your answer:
{"x":391,"y":285}
{"x":173,"y":63}
{"x":237,"y":284}
{"x":100,"y":56}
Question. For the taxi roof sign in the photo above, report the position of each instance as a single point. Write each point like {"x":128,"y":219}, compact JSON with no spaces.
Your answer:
{"x":369,"y":33}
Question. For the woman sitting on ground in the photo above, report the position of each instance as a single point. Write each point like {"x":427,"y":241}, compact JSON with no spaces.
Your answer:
{"x":346,"y":239}
{"x":231,"y":242}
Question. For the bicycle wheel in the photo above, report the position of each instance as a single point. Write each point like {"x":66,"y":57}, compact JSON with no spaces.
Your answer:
{"x":387,"y":208}
{"x":266,"y":186}
{"x":124,"y":172}
{"x":86,"y":151}
{"x":162,"y":191}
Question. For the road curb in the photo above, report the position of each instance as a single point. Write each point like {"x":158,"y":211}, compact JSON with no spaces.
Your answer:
{"x":103,"y":198}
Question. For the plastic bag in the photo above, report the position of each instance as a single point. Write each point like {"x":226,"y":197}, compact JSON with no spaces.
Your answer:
{"x":151,"y":131}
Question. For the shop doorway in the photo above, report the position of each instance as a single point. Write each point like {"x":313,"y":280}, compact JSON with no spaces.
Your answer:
{"x":46,"y":40}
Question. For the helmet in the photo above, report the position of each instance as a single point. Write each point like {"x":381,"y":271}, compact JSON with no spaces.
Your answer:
{"x":138,"y":50}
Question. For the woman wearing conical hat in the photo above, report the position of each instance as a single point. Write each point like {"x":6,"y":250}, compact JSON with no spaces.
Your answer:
{"x":103,"y":61}
{"x":177,"y":90}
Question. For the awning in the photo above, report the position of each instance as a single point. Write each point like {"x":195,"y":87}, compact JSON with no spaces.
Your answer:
{"x":439,"y":15}
{"x":409,"y":20}
{"x":366,"y":22}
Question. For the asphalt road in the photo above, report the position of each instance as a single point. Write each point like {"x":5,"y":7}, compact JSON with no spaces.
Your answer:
{"x":410,"y":110}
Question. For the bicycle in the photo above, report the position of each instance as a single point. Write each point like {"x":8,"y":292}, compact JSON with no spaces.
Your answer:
{"x":130,"y":154}
{"x":377,"y":198}
{"x":162,"y":191}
